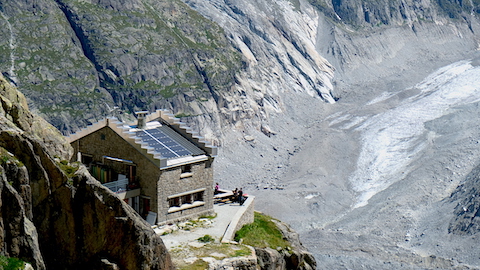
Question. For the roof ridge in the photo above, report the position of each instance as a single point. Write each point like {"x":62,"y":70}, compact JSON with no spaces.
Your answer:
{"x":91,"y":128}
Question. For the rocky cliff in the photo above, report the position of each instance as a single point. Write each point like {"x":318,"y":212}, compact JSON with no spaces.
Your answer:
{"x":467,"y":210}
{"x":214,"y":63}
{"x":56,"y":220}
{"x":221,"y":64}
{"x":364,"y":13}
{"x":76,"y":60}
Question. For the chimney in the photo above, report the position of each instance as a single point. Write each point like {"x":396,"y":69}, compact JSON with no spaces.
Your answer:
{"x":141,"y":121}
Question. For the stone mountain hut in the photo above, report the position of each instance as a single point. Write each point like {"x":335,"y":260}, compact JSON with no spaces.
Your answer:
{"x":158,"y":166}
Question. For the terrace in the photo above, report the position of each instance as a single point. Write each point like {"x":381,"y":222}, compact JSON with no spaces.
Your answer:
{"x":123,"y":189}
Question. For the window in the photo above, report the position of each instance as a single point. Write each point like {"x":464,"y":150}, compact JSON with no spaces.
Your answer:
{"x":146,"y":206}
{"x":186,"y":200}
{"x":87,"y":159}
{"x":187,"y":168}
{"x":102,"y":137}
{"x":174,"y":202}
{"x":198,"y":196}
{"x":186,"y":171}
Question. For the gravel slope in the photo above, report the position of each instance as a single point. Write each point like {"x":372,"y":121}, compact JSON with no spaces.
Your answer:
{"x":366,"y":181}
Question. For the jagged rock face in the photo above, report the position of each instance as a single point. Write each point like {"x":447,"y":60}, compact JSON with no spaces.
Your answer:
{"x":16,"y":114}
{"x":92,"y":226}
{"x":18,"y":235}
{"x":55,"y":222}
{"x":86,"y":55}
{"x":42,"y":56}
{"x":221,"y":63}
{"x":276,"y":39}
{"x":376,"y":13}
{"x":76,"y":60}
{"x":467,"y":211}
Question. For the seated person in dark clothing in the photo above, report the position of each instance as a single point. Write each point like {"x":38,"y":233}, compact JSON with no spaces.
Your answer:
{"x":235,"y":195}
{"x":240,"y":196}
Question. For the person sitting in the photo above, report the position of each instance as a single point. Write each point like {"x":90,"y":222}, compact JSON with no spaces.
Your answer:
{"x":217,"y":189}
{"x":235,"y":195}
{"x":240,"y":196}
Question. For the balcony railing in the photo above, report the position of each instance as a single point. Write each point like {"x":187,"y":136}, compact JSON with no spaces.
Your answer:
{"x":118,"y":186}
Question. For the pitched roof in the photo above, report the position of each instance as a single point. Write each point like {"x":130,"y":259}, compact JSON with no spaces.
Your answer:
{"x":165,"y":140}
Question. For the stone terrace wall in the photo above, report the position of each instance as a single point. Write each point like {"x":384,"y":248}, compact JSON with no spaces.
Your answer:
{"x":243,"y":216}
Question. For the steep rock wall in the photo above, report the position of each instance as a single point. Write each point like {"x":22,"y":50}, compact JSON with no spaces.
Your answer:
{"x":277,"y":42}
{"x":361,"y":13}
{"x":19,"y":237}
{"x":215,"y":63}
{"x":88,"y":57}
{"x":228,"y":67}
{"x":467,"y":209}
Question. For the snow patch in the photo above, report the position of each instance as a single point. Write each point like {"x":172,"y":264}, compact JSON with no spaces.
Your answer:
{"x":384,"y":96}
{"x":392,"y":140}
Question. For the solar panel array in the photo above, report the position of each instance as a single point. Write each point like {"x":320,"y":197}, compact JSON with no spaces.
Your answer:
{"x":167,"y":144}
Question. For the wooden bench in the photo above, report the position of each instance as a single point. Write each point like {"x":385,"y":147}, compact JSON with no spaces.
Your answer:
{"x":223,"y":197}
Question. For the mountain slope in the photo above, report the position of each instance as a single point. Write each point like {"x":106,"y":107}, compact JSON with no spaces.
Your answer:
{"x":365,"y":13}
{"x":76,"y":60}
{"x":311,"y":172}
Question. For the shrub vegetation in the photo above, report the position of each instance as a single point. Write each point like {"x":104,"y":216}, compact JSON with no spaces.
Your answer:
{"x":7,"y":263}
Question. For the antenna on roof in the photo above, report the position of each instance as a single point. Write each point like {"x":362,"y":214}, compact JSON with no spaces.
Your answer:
{"x":141,"y":121}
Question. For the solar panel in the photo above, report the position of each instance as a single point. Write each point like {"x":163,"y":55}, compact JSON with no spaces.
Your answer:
{"x":168,"y":143}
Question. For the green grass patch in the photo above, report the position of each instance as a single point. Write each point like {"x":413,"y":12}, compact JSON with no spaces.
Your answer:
{"x":69,"y":168}
{"x":6,"y":157}
{"x":261,"y":233}
{"x":208,"y":216}
{"x":182,"y":114}
{"x":206,"y":239}
{"x":7,"y":263}
{"x":242,"y":252}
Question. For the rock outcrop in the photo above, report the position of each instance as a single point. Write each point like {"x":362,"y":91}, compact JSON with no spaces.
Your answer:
{"x":277,"y":41}
{"x":361,"y":13}
{"x":295,"y":258}
{"x":55,"y":221}
{"x":467,"y":210}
